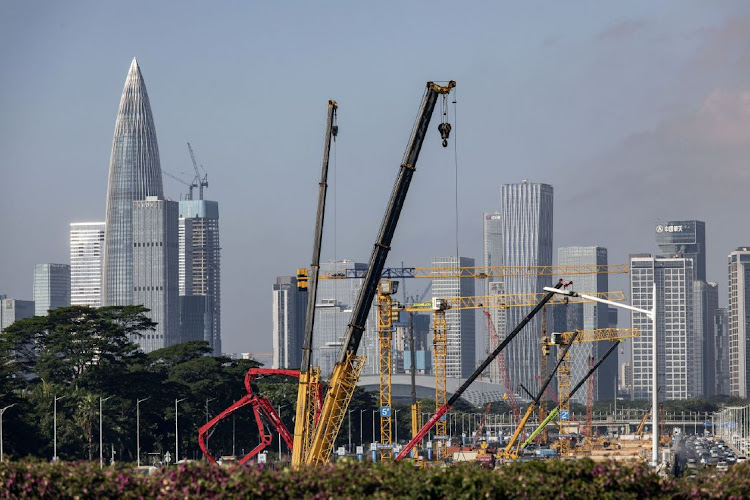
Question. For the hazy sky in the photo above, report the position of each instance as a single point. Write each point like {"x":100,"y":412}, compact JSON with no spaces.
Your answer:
{"x":634,"y":111}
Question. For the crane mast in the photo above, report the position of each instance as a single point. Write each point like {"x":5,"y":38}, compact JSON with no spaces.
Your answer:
{"x":309,"y":379}
{"x":347,"y":369}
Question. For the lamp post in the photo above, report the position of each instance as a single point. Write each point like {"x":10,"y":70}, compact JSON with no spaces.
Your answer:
{"x":101,"y":452}
{"x":350,"y":431}
{"x":1,"y":429}
{"x":395,"y":422}
{"x":373,"y":424}
{"x":361,"y":442}
{"x":650,"y":314}
{"x":176,"y":436}
{"x":138,"y":427}
{"x":279,"y":414}
{"x":54,"y":432}
{"x":208,"y":435}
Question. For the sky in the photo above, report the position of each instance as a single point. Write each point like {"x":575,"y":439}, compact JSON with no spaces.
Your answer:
{"x":635,"y":112}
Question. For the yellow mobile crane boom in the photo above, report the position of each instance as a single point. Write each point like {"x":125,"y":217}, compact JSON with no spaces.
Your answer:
{"x":347,"y":369}
{"x":309,"y":377}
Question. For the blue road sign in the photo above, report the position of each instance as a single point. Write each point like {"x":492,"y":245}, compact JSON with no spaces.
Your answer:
{"x":385,"y":411}
{"x":564,"y":414}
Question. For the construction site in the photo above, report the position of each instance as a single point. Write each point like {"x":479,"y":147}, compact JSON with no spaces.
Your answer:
{"x":540,"y":424}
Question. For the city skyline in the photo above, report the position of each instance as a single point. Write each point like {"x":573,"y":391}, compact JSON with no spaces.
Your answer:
{"x":622,"y":157}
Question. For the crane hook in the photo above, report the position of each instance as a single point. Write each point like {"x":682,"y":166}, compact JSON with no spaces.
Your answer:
{"x":445,"y":131}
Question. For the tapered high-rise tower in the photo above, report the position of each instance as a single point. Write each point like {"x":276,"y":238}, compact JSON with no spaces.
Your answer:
{"x":134,"y":174}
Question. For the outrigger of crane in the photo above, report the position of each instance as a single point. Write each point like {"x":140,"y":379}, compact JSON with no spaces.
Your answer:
{"x":345,"y":374}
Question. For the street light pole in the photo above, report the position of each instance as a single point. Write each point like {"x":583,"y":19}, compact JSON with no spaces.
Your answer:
{"x":361,"y":443}
{"x":1,"y":429}
{"x":138,"y":427}
{"x":373,"y":424}
{"x":350,"y":431}
{"x":101,"y":452}
{"x":208,"y":435}
{"x":650,"y":314}
{"x":176,"y":439}
{"x":54,"y":420}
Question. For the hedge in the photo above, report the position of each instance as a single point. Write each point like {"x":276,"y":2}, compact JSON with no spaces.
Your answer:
{"x":538,"y":479}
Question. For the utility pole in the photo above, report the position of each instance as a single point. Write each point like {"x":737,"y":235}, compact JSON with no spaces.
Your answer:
{"x":54,"y":420}
{"x":138,"y":427}
{"x":101,"y":452}
{"x":1,"y":429}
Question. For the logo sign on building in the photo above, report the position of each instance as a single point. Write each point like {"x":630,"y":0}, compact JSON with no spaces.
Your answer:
{"x":564,"y":414}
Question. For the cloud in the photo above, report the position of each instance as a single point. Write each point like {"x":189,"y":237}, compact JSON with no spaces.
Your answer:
{"x":621,"y":29}
{"x":727,"y":46}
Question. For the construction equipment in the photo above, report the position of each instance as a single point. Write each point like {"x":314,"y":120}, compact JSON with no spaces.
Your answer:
{"x":309,"y":377}
{"x":588,"y":428}
{"x":509,"y":453}
{"x":262,"y":409}
{"x":451,"y":401}
{"x":555,"y":412}
{"x":478,"y":272}
{"x":346,"y":371}
{"x":480,"y":428}
{"x":503,"y":369}
{"x":198,"y":181}
{"x":387,"y":313}
{"x":190,"y":185}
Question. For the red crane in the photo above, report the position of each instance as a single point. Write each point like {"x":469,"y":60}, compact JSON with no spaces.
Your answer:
{"x":503,"y":368}
{"x":264,"y":414}
{"x":480,"y":428}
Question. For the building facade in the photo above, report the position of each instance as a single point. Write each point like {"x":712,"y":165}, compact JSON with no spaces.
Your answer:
{"x":461,"y":324}
{"x":593,"y":316}
{"x":11,"y":310}
{"x":289,"y":315}
{"x":721,"y":350}
{"x":686,"y":239}
{"x":51,"y":287}
{"x":493,"y":256}
{"x":739,"y":321}
{"x":155,"y":269}
{"x":200,"y":262}
{"x":527,"y":215}
{"x":705,"y":304}
{"x":134,"y":174}
{"x":86,"y":259}
{"x":678,"y":345}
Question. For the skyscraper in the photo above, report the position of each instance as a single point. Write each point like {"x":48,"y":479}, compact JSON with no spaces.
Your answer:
{"x":493,"y":256}
{"x":289,"y":312}
{"x":155,"y":273}
{"x":739,"y":322}
{"x":527,"y":241}
{"x":684,"y":238}
{"x":86,"y":258}
{"x":680,"y":368}
{"x":461,"y":324}
{"x":200,"y":263}
{"x":134,"y":174}
{"x":11,"y":310}
{"x":705,"y":303}
{"x":51,"y":287}
{"x":721,"y":350}
{"x":594,"y":316}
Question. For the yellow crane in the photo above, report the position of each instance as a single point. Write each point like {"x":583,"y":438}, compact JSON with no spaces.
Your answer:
{"x":563,"y":374}
{"x":438,"y":306}
{"x":346,"y":371}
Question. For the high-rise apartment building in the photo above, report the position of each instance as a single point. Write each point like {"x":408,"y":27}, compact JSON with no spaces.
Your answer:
{"x":134,"y":174}
{"x":721,"y":350}
{"x":526,"y":210}
{"x":684,"y":238}
{"x":51,"y":287}
{"x":705,"y":304}
{"x":739,"y":322}
{"x":593,"y":316}
{"x":289,"y":315}
{"x":678,"y":345}
{"x":155,"y":269}
{"x":11,"y":310}
{"x":200,"y":264}
{"x":461,"y":324}
{"x":86,"y":258}
{"x":493,"y":256}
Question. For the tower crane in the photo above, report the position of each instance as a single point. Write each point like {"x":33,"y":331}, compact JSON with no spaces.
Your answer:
{"x":563,"y":377}
{"x":346,"y":371}
{"x":480,"y":428}
{"x":439,"y":306}
{"x":199,"y":182}
{"x":190,"y":185}
{"x":309,"y":377}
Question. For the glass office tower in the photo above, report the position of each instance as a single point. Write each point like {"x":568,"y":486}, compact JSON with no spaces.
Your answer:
{"x":51,"y":287}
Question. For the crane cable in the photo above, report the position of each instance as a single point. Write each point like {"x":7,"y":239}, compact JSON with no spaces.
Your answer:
{"x":455,"y":161}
